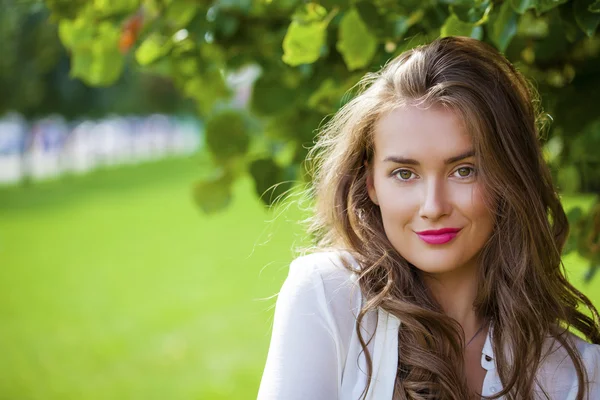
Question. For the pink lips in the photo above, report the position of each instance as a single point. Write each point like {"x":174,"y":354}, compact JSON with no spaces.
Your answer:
{"x":439,"y":236}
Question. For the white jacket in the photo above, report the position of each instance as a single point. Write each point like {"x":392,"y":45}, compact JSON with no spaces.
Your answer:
{"x":315,"y":352}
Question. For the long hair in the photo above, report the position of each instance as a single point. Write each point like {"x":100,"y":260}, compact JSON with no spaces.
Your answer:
{"x":523,"y":291}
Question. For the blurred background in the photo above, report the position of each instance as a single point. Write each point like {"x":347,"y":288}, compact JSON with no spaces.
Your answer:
{"x":151,"y":163}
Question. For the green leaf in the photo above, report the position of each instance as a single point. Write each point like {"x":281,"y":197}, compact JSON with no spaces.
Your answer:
{"x":97,"y":67}
{"x":305,"y":36}
{"x":466,"y":3}
{"x":296,"y":125}
{"x":356,"y":43}
{"x":477,"y":14}
{"x":553,"y":149}
{"x":575,"y":214}
{"x":238,"y":5}
{"x":455,"y":27}
{"x":180,"y":12}
{"x":401,"y":26}
{"x":531,"y":26}
{"x":95,"y":57}
{"x":271,"y":96}
{"x":328,"y":97}
{"x":111,"y":7}
{"x":199,"y":72}
{"x":66,"y":8}
{"x":369,"y":14}
{"x":227,"y":134}
{"x":521,"y":6}
{"x":403,"y":23}
{"x":270,"y":181}
{"x":76,"y":32}
{"x":542,"y":6}
{"x":185,"y":65}
{"x":477,"y":33}
{"x":503,"y":27}
{"x":213,"y":194}
{"x":309,"y":13}
{"x":595,"y":7}
{"x":206,"y":89}
{"x":153,"y":48}
{"x":227,"y":25}
{"x":569,"y":179}
{"x":586,"y":20}
{"x":332,"y":3}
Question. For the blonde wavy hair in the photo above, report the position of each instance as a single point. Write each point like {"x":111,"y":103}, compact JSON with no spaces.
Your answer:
{"x":523,"y":291}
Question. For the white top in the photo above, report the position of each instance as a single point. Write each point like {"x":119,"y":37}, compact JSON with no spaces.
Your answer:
{"x":315,"y":353}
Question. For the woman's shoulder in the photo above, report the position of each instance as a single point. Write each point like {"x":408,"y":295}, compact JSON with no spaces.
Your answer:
{"x":329,"y":280}
{"x":558,"y":374}
{"x":334,"y":274}
{"x":327,"y":264}
{"x":590,"y":354}
{"x":314,"y":345}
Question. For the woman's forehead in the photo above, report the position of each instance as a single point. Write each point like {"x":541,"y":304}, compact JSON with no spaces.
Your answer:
{"x":432,"y":133}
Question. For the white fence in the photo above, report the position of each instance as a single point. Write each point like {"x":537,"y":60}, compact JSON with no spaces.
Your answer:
{"x":50,"y":147}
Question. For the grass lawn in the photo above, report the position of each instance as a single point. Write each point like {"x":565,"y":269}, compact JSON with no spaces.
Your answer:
{"x":115,"y":286}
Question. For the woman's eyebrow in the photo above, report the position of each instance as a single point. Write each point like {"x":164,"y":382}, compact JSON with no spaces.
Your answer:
{"x":412,"y":161}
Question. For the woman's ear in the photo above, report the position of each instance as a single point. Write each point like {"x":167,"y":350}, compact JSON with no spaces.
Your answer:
{"x":370,"y":185}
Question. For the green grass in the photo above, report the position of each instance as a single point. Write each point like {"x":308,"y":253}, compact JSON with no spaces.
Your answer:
{"x":115,"y":286}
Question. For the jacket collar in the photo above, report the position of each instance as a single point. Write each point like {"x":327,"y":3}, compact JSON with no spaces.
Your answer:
{"x":487,"y":353}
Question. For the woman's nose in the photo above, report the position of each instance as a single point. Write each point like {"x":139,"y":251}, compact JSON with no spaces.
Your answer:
{"x":435,"y":203}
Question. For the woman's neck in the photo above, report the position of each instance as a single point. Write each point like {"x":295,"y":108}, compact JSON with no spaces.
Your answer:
{"x":456,"y":293}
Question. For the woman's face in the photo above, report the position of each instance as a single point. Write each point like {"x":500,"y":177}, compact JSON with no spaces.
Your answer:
{"x":424,"y":178}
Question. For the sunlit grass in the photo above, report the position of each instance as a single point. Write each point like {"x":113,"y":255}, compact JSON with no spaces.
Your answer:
{"x":115,"y":286}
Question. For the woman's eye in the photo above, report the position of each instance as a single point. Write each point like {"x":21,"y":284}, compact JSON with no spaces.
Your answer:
{"x":404,"y":174}
{"x":465,"y":172}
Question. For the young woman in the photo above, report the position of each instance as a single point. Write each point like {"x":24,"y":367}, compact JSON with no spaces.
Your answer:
{"x":439,"y":271}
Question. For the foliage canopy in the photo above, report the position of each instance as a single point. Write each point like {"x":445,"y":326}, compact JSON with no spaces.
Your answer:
{"x":312,"y":53}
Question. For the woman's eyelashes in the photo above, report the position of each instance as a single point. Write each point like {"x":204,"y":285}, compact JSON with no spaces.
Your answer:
{"x":403,"y":174}
{"x":465,"y":172}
